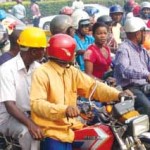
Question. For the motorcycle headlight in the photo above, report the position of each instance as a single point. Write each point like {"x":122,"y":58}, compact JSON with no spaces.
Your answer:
{"x":139,"y":125}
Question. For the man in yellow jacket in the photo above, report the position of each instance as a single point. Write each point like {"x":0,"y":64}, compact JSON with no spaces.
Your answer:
{"x":54,"y":91}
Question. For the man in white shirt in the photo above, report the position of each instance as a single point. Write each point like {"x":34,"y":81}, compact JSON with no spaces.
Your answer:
{"x":15,"y":79}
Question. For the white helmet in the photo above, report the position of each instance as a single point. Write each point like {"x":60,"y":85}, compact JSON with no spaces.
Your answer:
{"x":145,"y":5}
{"x":78,"y":15}
{"x":134,"y":24}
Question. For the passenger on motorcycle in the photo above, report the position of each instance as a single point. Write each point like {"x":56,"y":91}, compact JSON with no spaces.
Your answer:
{"x":15,"y":79}
{"x":132,"y":69}
{"x":97,"y":56}
{"x":111,"y":42}
{"x":54,"y":91}
{"x":81,"y":22}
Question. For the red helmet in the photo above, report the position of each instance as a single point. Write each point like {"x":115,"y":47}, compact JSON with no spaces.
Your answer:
{"x":136,"y":11}
{"x":61,"y":47}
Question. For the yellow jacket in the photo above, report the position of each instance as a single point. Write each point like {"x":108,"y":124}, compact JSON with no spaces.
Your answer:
{"x":53,"y":89}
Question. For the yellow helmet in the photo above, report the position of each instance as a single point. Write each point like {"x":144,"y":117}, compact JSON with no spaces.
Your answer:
{"x":32,"y":37}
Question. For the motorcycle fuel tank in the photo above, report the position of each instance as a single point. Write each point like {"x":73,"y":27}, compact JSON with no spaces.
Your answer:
{"x":96,"y":137}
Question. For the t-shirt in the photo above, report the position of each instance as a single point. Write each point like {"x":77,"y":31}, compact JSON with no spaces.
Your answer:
{"x":100,"y":63}
{"x":82,"y":45}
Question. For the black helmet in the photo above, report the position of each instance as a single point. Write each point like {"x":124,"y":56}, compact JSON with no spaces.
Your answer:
{"x":105,"y":19}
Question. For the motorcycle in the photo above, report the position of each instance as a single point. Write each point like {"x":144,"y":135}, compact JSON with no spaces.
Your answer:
{"x":118,"y":129}
{"x":114,"y":126}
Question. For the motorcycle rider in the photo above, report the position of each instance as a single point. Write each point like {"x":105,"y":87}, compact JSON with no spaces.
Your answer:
{"x":15,"y":79}
{"x":116,"y":13}
{"x":53,"y":102}
{"x":132,"y":64}
{"x":60,"y":24}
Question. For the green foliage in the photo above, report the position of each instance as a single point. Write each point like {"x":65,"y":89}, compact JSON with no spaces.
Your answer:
{"x":51,"y":7}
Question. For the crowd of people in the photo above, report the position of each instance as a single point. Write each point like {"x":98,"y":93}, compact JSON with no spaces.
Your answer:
{"x":40,"y":80}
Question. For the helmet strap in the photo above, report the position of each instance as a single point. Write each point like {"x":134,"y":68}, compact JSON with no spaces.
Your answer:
{"x":61,"y":62}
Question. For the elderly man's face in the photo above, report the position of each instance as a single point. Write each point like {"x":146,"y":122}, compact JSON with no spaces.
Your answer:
{"x":140,"y":35}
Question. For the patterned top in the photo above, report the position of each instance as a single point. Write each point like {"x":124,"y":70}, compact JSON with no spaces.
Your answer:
{"x":131,"y":64}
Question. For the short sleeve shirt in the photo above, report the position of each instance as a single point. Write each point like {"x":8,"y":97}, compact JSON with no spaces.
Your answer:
{"x":15,"y":83}
{"x":100,"y":63}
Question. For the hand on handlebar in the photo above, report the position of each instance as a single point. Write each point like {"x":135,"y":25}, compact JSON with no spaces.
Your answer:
{"x":72,"y":111}
{"x":126,"y":93}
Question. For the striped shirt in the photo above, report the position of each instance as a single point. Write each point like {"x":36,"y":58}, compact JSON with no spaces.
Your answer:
{"x":132,"y":65}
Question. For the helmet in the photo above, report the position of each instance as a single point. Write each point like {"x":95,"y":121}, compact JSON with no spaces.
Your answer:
{"x":143,"y":6}
{"x":91,"y":11}
{"x":61,"y":47}
{"x":66,"y":10}
{"x":60,"y":24}
{"x":2,"y":14}
{"x":129,"y":5}
{"x":78,"y":15}
{"x":136,"y":11}
{"x":105,"y":19}
{"x":115,"y":9}
{"x":9,"y":24}
{"x":134,"y":24}
{"x":83,"y":22}
{"x":32,"y":37}
{"x":129,"y":15}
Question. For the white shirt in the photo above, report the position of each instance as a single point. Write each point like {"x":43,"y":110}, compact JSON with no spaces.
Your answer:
{"x":116,"y":32}
{"x":15,"y":83}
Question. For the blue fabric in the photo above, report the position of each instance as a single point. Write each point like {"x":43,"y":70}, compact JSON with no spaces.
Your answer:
{"x":36,"y":22}
{"x":82,"y":45}
{"x":51,"y":144}
{"x":142,"y":103}
{"x":5,"y":57}
{"x":132,"y":64}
